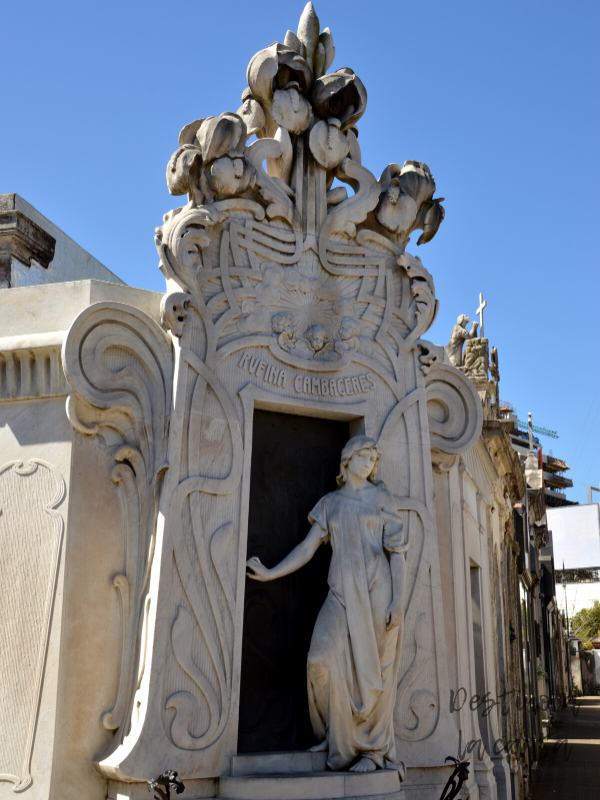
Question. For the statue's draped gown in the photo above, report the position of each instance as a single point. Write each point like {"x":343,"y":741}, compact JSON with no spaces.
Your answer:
{"x":353,"y":659}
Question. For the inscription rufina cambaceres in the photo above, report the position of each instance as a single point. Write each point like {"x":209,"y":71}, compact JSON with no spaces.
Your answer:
{"x":308,"y":384}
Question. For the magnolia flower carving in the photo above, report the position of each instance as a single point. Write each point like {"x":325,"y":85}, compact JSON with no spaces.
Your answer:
{"x":290,"y":94}
{"x":210,"y":162}
{"x":299,"y":120}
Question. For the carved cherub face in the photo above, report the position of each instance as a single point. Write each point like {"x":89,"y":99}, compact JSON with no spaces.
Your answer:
{"x":281,"y":323}
{"x":463,"y":321}
{"x":348,"y":329}
{"x":316,"y":337}
{"x":362,"y":463}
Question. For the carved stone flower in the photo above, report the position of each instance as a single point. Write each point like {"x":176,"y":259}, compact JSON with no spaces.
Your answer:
{"x":396,"y":211}
{"x":251,"y":112}
{"x":218,"y":136}
{"x":210,"y":159}
{"x":417,"y":181}
{"x":290,"y":110}
{"x":183,"y":164}
{"x":279,"y":79}
{"x":406,"y":202}
{"x":340,"y":95}
{"x":328,"y":144}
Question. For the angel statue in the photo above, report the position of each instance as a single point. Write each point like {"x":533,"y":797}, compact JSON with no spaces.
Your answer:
{"x":355,"y":648}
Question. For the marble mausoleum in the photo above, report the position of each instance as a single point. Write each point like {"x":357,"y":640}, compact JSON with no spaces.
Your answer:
{"x":157,"y":448}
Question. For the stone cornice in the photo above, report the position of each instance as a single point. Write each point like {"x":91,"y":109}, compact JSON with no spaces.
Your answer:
{"x":495,"y":435}
{"x":21,"y":238}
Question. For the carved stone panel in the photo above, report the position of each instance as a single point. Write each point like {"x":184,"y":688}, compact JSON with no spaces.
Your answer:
{"x":30,"y":542}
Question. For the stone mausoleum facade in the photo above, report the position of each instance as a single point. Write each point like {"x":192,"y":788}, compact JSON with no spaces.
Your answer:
{"x":152,"y":445}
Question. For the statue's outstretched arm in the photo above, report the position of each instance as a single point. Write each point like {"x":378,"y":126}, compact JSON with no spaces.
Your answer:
{"x":300,"y":555}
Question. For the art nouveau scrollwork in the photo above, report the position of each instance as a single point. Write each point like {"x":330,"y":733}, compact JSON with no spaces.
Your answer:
{"x":454,"y":410}
{"x":118,"y":362}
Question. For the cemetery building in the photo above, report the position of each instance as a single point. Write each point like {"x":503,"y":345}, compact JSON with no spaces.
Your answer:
{"x":259,"y":531}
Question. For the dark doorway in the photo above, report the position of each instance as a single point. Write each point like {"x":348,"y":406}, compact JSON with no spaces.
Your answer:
{"x":295,"y":461}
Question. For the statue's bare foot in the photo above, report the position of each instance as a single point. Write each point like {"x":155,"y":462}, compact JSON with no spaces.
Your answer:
{"x":320,"y":748}
{"x":364,"y":765}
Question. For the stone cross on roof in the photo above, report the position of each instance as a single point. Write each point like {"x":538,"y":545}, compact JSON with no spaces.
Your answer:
{"x":479,"y":312}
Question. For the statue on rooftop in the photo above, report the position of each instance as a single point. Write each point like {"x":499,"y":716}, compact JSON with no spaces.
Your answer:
{"x":459,"y":335}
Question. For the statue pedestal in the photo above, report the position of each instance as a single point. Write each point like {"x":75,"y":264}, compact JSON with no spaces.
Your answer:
{"x":303,"y":775}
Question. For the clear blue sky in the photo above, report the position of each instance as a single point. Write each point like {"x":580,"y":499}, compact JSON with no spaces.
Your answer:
{"x":500,"y":99}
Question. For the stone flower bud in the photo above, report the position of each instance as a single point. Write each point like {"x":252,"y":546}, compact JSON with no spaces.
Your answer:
{"x":218,"y":135}
{"x":396,"y":211}
{"x":279,"y":68}
{"x":340,"y":95}
{"x":231,"y":175}
{"x":251,"y":113}
{"x":290,"y":110}
{"x":328,"y":144}
{"x":183,"y":162}
{"x":275,"y":67}
{"x":417,"y":181}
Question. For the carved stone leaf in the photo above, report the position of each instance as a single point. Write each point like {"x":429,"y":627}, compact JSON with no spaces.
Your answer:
{"x":119,"y":363}
{"x":326,"y":39}
{"x":308,"y":32}
{"x":117,"y":359}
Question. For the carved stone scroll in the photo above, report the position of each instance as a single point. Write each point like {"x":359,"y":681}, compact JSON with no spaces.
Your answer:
{"x":118,"y":361}
{"x":454,"y":410}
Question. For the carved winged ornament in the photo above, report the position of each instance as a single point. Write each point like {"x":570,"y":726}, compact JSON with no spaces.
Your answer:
{"x":287,"y":278}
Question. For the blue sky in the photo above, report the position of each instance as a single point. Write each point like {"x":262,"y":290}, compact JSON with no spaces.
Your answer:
{"x":500,"y":99}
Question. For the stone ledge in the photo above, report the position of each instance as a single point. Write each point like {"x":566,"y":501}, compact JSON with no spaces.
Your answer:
{"x":383,"y":784}
{"x":21,"y":238}
{"x":278,"y":763}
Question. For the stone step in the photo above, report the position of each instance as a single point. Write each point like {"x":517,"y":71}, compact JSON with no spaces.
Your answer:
{"x":272,"y":763}
{"x":380,"y":785}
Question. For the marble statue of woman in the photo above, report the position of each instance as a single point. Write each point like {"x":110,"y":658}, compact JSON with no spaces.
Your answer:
{"x":354,"y":653}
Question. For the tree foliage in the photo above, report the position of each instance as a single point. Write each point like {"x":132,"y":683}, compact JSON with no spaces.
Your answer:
{"x":586,"y":623}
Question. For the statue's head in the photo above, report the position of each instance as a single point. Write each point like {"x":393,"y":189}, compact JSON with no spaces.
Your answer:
{"x":463,"y":320}
{"x":369,"y":457}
